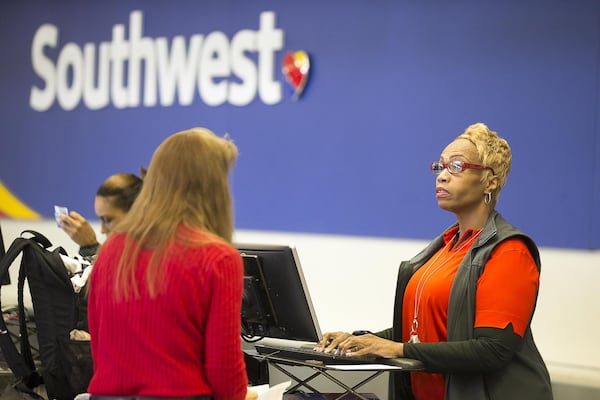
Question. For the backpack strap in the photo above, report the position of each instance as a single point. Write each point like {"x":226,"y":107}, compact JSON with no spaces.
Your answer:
{"x":4,"y":279}
{"x":20,"y":367}
{"x":43,"y":241}
{"x":38,"y":237}
{"x":24,"y":334}
{"x":2,"y":248}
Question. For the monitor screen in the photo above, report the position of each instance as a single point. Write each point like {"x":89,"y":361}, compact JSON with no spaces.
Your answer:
{"x":276,"y":302}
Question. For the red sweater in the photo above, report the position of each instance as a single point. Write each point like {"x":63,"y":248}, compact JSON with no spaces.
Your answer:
{"x":184,"y":342}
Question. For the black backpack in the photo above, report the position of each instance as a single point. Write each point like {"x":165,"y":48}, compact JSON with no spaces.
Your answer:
{"x":66,"y":365}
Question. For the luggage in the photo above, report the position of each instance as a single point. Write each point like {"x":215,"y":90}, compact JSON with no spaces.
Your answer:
{"x":66,"y":365}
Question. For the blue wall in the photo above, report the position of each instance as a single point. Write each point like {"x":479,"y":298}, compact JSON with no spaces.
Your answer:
{"x":391,"y":83}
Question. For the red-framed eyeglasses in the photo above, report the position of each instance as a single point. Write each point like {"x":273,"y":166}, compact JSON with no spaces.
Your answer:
{"x":455,"y":167}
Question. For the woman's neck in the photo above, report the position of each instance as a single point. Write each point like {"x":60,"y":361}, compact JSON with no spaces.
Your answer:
{"x":475,"y":221}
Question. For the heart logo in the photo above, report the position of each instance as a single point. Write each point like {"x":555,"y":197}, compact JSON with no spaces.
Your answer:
{"x":296,"y":66}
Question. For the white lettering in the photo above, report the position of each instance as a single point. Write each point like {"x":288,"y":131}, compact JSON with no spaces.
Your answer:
{"x":96,"y":97}
{"x":178,"y":70}
{"x":70,"y":59}
{"x":214,"y":62}
{"x":118,"y":52}
{"x":142,"y":49}
{"x":268,"y":42}
{"x":126,"y":70}
{"x":242,"y":93}
{"x":42,"y":99}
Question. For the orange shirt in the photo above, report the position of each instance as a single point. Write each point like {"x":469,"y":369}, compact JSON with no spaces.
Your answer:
{"x":506,"y":293}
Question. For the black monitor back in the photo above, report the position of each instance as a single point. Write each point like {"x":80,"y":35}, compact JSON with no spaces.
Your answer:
{"x":277,"y":302}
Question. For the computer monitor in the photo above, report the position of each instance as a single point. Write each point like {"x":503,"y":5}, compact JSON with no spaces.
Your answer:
{"x":276,"y":302}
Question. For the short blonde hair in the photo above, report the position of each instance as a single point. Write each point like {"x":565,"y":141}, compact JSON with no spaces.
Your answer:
{"x":493,"y":151}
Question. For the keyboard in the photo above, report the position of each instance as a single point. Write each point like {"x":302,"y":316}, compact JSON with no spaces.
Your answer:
{"x":306,"y":353}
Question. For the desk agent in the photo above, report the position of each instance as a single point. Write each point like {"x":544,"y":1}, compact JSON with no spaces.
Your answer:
{"x":464,"y":304}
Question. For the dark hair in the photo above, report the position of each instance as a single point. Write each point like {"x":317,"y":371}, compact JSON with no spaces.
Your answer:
{"x":122,"y":188}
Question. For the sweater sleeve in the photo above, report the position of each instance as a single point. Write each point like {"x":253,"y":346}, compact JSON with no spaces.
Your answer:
{"x":89,"y":252}
{"x":385,"y":334}
{"x":225,"y":368}
{"x":490,"y":349}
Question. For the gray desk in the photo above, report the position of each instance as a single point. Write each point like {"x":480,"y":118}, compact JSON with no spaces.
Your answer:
{"x":322,"y":369}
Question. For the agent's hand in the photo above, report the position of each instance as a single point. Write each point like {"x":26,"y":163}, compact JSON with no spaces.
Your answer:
{"x":78,"y":229}
{"x":251,"y":395}
{"x":331,"y":341}
{"x":370,"y":344}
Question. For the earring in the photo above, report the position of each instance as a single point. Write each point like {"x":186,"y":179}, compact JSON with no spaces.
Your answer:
{"x":488,"y":198}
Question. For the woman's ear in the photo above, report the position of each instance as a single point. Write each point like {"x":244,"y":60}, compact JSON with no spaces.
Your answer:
{"x":491,"y":184}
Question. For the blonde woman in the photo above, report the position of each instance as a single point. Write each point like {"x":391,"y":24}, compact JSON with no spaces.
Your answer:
{"x":464,"y":304}
{"x":166,"y":289}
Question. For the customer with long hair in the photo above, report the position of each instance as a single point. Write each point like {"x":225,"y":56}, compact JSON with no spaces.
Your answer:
{"x":166,"y":289}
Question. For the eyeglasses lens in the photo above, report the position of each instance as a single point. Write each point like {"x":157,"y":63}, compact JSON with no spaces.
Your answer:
{"x":454,"y":167}
{"x":436,"y":167}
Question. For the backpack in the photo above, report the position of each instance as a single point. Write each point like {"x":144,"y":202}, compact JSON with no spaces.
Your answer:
{"x":66,"y":365}
{"x":5,"y":280}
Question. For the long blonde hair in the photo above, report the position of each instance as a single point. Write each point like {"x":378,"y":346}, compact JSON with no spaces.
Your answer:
{"x":186,"y":186}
